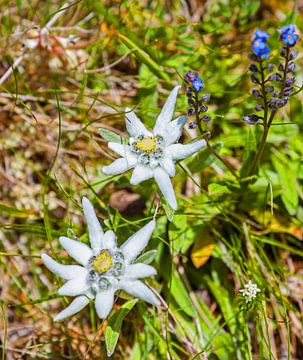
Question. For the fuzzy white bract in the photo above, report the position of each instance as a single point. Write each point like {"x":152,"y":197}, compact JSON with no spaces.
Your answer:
{"x":152,"y":154}
{"x":105,"y":268}
{"x":250,"y":291}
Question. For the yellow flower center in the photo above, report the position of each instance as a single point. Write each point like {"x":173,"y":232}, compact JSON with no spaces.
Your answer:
{"x":103,"y":261}
{"x":148,"y":144}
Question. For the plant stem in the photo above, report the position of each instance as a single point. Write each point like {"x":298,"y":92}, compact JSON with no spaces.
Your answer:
{"x":267,"y":122}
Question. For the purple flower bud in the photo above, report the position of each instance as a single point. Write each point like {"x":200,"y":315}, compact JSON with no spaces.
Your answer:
{"x":283,"y":52}
{"x":190,"y":112}
{"x":270,"y":67}
{"x":288,"y":92}
{"x":258,"y":107}
{"x":192,"y":125}
{"x":275,"y":93}
{"x":251,"y":119}
{"x":203,"y":108}
{"x":253,"y":68}
{"x":275,"y":77}
{"x":206,"y":118}
{"x":253,"y":57}
{"x":255,"y":93}
{"x":290,"y":82}
{"x":190,"y":76}
{"x":291,"y":67}
{"x":189,"y":93}
{"x":205,"y":98}
{"x":293,"y":54}
{"x":282,"y":102}
{"x":272,"y":104}
{"x":190,"y":101}
{"x":269,"y":89}
{"x":254,"y":79}
{"x":281,"y":67}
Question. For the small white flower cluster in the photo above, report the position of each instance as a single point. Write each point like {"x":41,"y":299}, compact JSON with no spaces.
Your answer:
{"x":250,"y":291}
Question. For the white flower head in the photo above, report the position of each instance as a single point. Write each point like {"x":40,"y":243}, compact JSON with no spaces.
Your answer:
{"x":42,"y":38}
{"x":104,"y":267}
{"x":153,"y":153}
{"x":250,"y":291}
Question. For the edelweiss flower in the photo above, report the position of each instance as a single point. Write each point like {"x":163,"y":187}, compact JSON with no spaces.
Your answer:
{"x":250,"y":291}
{"x":105,"y":267}
{"x":153,"y":153}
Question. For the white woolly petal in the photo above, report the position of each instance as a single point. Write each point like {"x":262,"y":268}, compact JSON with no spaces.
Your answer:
{"x":66,"y":272}
{"x":75,"y":306}
{"x":109,"y":240}
{"x":74,"y":287}
{"x":137,"y":242}
{"x":119,"y":166}
{"x":137,"y":271}
{"x":94,"y":228}
{"x":169,"y":166}
{"x":179,"y":151}
{"x":77,"y":250}
{"x":134,"y":125}
{"x":172,"y":131}
{"x":167,"y":111}
{"x":139,"y":290}
{"x":104,"y":303}
{"x":122,"y":150}
{"x":166,"y":187}
{"x":141,"y":173}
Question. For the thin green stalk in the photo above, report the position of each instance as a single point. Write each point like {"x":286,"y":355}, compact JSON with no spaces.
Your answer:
{"x":5,"y":323}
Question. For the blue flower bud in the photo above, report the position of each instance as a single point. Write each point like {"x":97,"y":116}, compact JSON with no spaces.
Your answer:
{"x":198,"y":85}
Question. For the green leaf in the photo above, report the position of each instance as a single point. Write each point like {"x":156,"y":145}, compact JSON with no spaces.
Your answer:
{"x":113,"y":327}
{"x":204,"y":158}
{"x":147,"y":257}
{"x":144,"y":57}
{"x":249,"y":150}
{"x":289,"y":195}
{"x":112,"y":137}
{"x":180,"y":294}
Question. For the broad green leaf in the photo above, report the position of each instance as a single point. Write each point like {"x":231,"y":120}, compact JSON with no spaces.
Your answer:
{"x":180,"y":294}
{"x":112,"y":137}
{"x":113,"y":327}
{"x":147,"y":257}
{"x":249,"y":150}
{"x":289,"y":195}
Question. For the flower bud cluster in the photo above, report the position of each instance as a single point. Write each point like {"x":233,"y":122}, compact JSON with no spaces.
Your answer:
{"x":196,"y":103}
{"x":273,"y":88}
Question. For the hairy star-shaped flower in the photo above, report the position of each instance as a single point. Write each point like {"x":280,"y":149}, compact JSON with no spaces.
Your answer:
{"x":153,"y":153}
{"x":105,"y":268}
